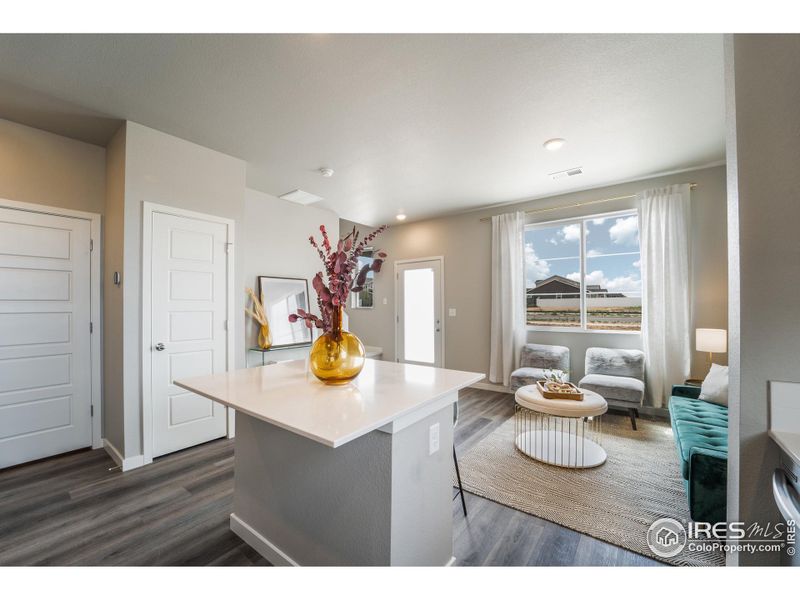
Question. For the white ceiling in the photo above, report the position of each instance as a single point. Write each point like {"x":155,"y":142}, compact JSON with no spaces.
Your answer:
{"x":428,"y":124}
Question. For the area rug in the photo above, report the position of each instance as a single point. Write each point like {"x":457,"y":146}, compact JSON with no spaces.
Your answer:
{"x":615,"y":502}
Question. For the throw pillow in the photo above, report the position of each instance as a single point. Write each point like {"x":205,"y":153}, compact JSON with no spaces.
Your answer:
{"x":715,"y":386}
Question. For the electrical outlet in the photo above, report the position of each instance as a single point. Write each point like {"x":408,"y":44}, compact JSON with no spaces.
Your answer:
{"x":433,"y":439}
{"x":451,"y":312}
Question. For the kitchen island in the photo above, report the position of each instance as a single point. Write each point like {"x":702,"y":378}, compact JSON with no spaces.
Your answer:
{"x":359,"y":474}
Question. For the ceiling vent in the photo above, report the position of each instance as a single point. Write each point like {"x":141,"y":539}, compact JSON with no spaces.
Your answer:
{"x":567,"y":173}
{"x":300,"y":197}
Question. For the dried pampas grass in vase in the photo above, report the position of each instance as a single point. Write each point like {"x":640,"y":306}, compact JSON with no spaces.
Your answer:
{"x":260,"y":316}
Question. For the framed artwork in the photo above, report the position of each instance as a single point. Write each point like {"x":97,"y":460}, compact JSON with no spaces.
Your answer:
{"x":282,"y":296}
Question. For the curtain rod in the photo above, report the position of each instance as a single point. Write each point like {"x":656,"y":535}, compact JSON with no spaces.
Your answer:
{"x":587,"y":203}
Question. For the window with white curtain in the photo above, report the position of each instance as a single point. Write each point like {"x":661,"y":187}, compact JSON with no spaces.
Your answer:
{"x":584,"y":274}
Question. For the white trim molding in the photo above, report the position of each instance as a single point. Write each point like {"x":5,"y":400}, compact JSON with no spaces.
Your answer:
{"x":270,"y":551}
{"x":260,"y":544}
{"x":95,"y":309}
{"x":148,"y":209}
{"x":126,"y":464}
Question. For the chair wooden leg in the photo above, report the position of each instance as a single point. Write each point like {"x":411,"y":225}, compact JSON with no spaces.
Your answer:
{"x":633,"y":414}
{"x":460,"y":487}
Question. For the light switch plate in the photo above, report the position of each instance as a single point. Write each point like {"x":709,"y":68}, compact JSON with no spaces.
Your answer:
{"x":451,"y":312}
{"x":385,"y":301}
{"x":433,"y":439}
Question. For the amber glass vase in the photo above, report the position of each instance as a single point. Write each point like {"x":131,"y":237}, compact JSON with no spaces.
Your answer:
{"x":337,"y":356}
{"x":264,"y":337}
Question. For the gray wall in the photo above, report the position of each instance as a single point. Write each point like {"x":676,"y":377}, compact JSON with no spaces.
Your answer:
{"x":465,"y":242}
{"x":44,"y":168}
{"x":166,"y":170}
{"x":113,"y":236}
{"x":270,"y":238}
{"x":763,"y":88}
{"x":276,"y":243}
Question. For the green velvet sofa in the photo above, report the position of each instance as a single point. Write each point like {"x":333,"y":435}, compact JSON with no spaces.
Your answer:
{"x":700,"y":429}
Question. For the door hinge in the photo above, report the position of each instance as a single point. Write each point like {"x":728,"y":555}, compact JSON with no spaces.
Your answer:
{"x":228,"y":246}
{"x":225,"y":324}
{"x":91,"y":327}
{"x":91,"y":410}
{"x":91,"y":245}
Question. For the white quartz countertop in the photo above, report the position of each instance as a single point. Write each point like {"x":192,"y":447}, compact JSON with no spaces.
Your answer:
{"x":289,"y":396}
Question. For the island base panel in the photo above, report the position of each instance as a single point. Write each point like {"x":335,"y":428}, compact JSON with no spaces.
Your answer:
{"x":380,"y":499}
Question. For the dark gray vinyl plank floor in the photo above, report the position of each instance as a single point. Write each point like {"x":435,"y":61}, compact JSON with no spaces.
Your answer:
{"x":73,"y":510}
{"x":493,"y":534}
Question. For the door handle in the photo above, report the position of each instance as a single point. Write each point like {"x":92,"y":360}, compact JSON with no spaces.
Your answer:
{"x":160,"y":346}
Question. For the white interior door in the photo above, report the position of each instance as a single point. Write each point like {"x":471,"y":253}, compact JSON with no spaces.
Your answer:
{"x":419,"y":312}
{"x":189,"y":307}
{"x":45,"y":344}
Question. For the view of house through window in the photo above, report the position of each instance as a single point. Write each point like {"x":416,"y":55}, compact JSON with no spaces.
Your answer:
{"x":365,"y":298}
{"x":596,"y":285}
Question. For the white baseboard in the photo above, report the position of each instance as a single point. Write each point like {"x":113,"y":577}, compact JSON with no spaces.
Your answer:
{"x":260,"y":544}
{"x":491,"y":387}
{"x":133,"y":462}
{"x":270,"y":551}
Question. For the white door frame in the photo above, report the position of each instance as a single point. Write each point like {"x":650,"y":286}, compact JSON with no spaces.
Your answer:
{"x":406,"y":261}
{"x":148,"y":208}
{"x":96,"y":313}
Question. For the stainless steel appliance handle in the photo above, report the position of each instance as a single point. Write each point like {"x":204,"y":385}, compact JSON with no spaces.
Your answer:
{"x":784,"y":497}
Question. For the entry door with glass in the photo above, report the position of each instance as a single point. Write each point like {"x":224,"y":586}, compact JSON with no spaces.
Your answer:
{"x":419,"y":312}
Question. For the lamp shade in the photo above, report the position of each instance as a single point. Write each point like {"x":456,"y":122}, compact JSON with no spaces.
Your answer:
{"x":711,"y":340}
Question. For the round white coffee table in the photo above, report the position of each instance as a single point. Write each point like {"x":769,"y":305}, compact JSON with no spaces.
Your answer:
{"x":566,"y":433}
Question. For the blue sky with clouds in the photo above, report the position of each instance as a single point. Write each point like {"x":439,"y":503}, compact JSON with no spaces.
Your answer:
{"x":612,"y":253}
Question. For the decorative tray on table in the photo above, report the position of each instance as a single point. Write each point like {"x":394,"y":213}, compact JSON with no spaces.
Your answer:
{"x":559,"y":391}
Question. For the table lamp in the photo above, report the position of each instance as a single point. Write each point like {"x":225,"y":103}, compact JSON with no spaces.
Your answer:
{"x":711,"y":340}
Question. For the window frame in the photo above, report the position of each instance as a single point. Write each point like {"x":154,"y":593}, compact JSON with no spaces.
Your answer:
{"x":354,"y":295}
{"x":582,"y":263}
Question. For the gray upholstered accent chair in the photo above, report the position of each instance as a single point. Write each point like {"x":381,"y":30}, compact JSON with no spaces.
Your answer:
{"x":618,"y":376}
{"x":535,"y":360}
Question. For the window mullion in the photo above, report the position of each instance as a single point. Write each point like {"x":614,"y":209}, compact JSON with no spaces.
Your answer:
{"x":582,"y":288}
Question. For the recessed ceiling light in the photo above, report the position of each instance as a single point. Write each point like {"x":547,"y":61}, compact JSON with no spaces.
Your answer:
{"x":401,"y":217}
{"x":554,"y":144}
{"x":326,"y":172}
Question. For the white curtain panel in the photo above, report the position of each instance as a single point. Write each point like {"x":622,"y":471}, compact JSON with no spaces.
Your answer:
{"x":664,"y":231}
{"x":508,"y":295}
